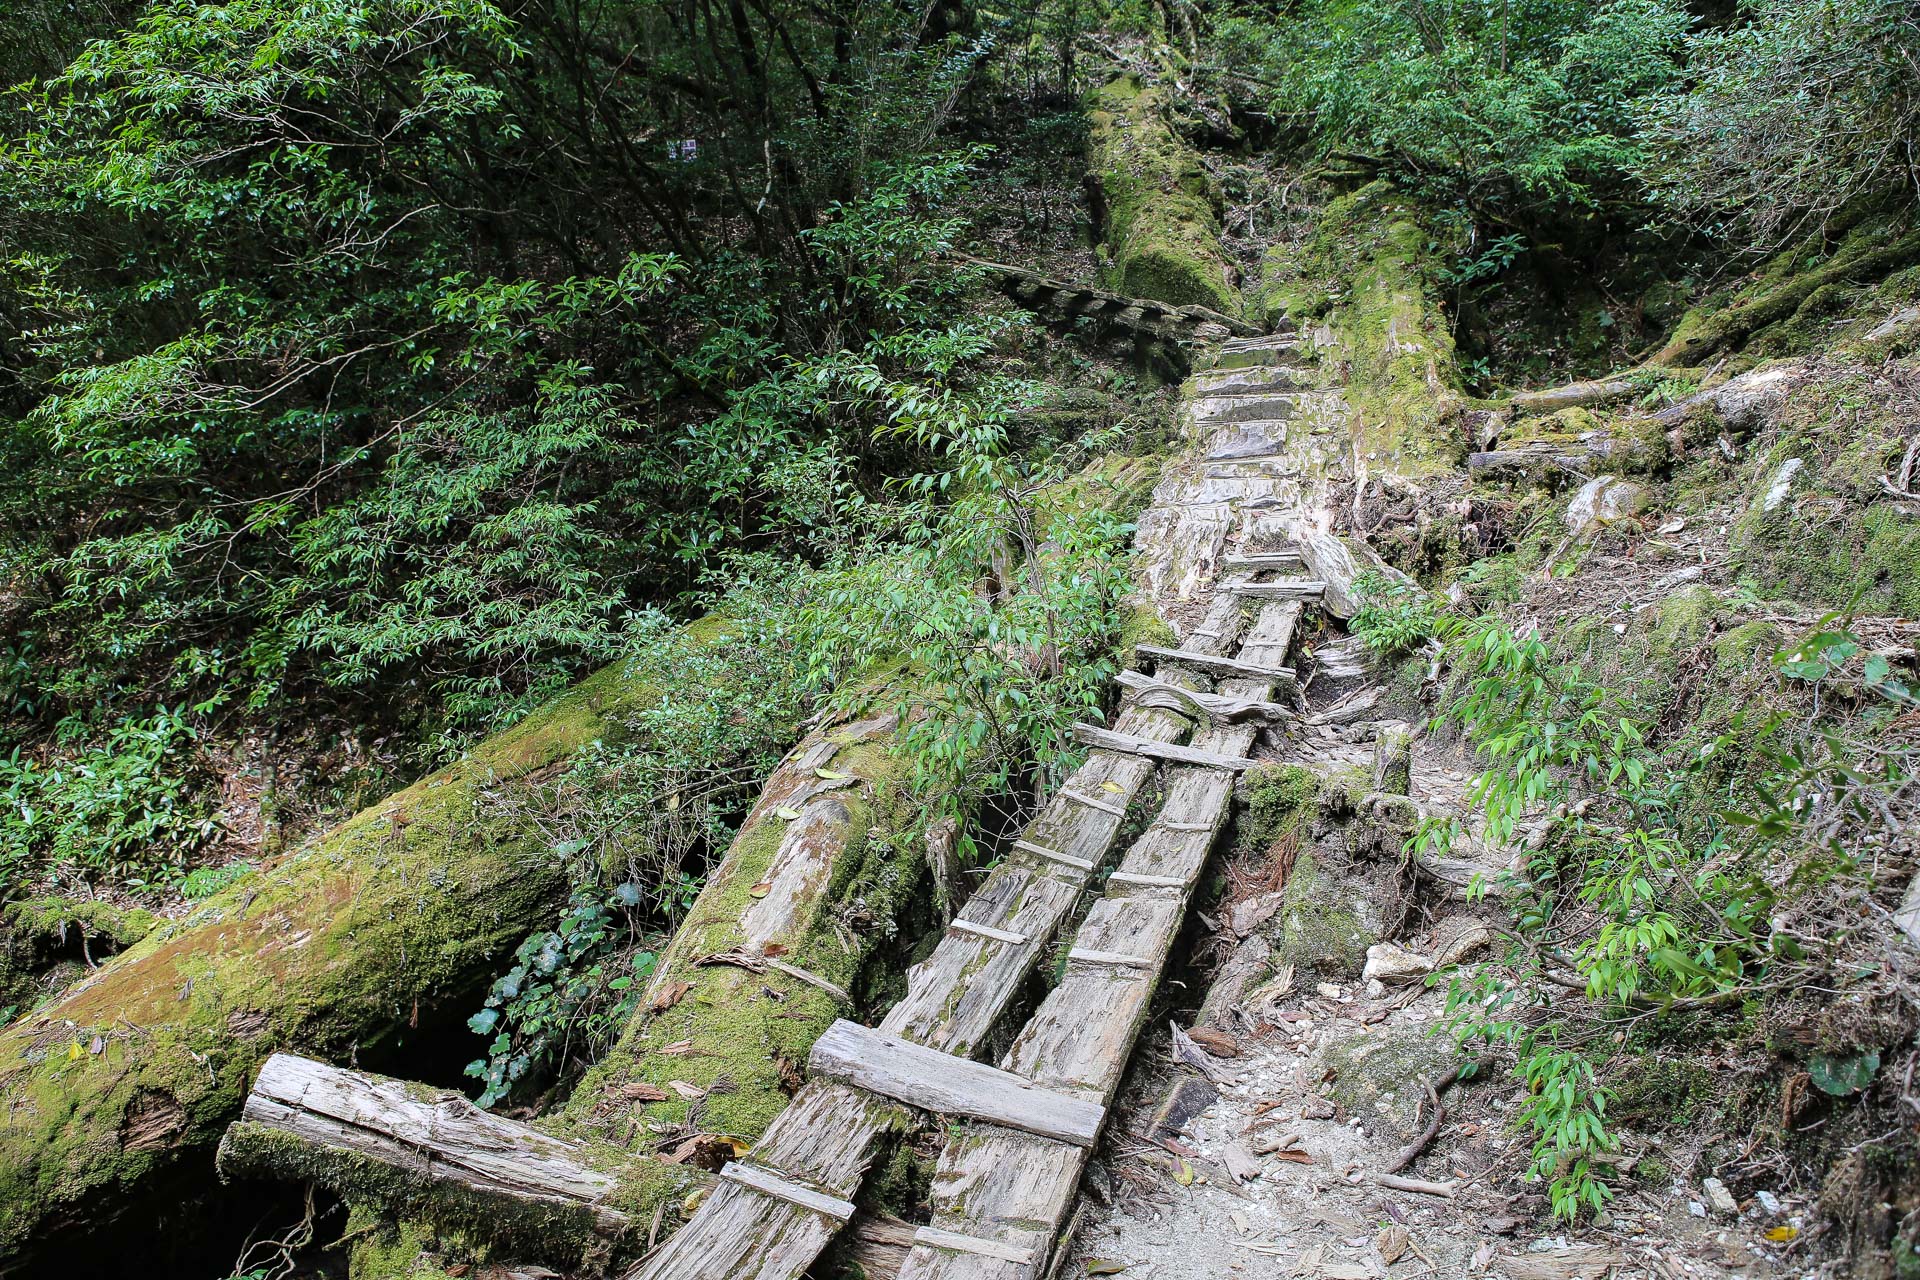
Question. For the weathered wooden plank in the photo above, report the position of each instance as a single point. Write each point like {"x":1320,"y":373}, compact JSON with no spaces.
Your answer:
{"x":1297,"y":589}
{"x":933,"y":1237}
{"x":739,"y":1233}
{"x":1172,"y":697}
{"x":930,"y":1080}
{"x":1215,"y":663}
{"x":442,"y":1147}
{"x":1054,"y":855}
{"x":1288,"y":561}
{"x":1095,"y":736}
{"x":988,"y":931}
{"x":1087,"y":955}
{"x":1146,"y":882}
{"x":1067,"y":793}
{"x":769,"y":1183}
{"x":1016,"y":1188}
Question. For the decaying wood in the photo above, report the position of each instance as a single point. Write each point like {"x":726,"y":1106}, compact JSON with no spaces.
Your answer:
{"x":1216,"y":664}
{"x":1108,"y":740}
{"x":1445,"y":1190}
{"x":1308,"y":589}
{"x":1572,"y":395}
{"x":955,"y":997}
{"x":1220,"y":710}
{"x":929,"y":1080}
{"x":443,"y":1157}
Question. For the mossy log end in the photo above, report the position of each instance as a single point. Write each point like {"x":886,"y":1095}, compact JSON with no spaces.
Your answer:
{"x":338,"y":949}
{"x":1158,"y":208}
{"x":411,"y":1152}
{"x":813,"y":887}
{"x":1865,"y":255}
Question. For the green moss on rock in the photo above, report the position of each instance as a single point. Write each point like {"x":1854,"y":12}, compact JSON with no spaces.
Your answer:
{"x":1377,"y":1078}
{"x":1321,"y":924}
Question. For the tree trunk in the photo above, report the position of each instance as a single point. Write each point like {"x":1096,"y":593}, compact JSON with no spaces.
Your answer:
{"x":413,"y":1152}
{"x":341,"y":949}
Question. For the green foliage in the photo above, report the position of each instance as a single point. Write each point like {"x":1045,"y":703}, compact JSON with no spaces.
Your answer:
{"x":1642,"y":913}
{"x":1789,"y":116}
{"x":122,"y":801}
{"x":566,"y":997}
{"x":1512,"y":111}
{"x":1394,"y":617}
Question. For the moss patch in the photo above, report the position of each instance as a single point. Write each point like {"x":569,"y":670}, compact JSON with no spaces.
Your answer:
{"x":335,"y":950}
{"x":1321,"y":926}
{"x":1376,"y":1078}
{"x":1367,"y":271}
{"x":1162,"y":209}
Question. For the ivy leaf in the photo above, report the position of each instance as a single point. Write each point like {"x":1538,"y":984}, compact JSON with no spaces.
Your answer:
{"x":484,"y":1021}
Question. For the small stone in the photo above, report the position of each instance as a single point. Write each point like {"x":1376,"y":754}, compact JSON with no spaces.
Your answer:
{"x":1697,"y":1209}
{"x":1768,"y":1201}
{"x":1328,"y":990}
{"x":1603,"y":500}
{"x":1389,"y":963}
{"x":1375,"y":988}
{"x":1719,"y":1198}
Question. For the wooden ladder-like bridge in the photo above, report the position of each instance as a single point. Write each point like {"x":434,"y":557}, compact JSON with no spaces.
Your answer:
{"x":1010,"y":1169}
{"x":1230,"y":546}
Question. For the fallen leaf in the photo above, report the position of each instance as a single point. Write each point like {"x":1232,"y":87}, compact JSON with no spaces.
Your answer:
{"x":670,"y":996}
{"x":642,"y":1092}
{"x":1481,"y":1257}
{"x":688,"y":1091}
{"x":761,"y":890}
{"x":692,"y":1202}
{"x":740,"y":1147}
{"x":787,"y":813}
{"x":1104,"y":1267}
{"x":1112,"y":786}
{"x":673,"y":802}
{"x":1241,"y":1165}
{"x":73,"y":1051}
{"x":1295,"y":1156}
{"x":1782,"y":1234}
{"x":1218,"y":1043}
{"x":677,"y":1048}
{"x":1392,"y":1243}
{"x":1183,"y":1173}
{"x":831,"y":775}
{"x":772,"y":950}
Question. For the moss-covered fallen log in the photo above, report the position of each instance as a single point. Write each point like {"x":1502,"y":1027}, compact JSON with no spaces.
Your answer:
{"x":413,"y":1152}
{"x":337,"y":950}
{"x":1155,"y":205}
{"x":815,"y":886}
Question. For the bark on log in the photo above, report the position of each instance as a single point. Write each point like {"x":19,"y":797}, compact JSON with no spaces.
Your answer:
{"x":419,"y":1153}
{"x":340,"y":948}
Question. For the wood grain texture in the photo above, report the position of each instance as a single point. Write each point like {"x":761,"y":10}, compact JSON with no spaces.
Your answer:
{"x":929,"y":1080}
{"x":1108,"y":740}
{"x":1015,"y":1188}
{"x":1214,"y":663}
{"x":313,"y":1112}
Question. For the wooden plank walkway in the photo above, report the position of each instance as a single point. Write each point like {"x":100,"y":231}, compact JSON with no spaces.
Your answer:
{"x":997,"y":1186}
{"x":829,"y":1132}
{"x":1002,"y":1192}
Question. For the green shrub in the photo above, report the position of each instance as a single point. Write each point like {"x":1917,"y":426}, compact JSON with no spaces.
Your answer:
{"x":1394,"y":617}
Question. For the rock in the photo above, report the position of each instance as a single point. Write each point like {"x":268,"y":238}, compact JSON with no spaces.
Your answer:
{"x":1743,"y":403}
{"x":1386,"y":1068}
{"x":1719,"y":1199}
{"x":1603,"y":500}
{"x":1389,"y":963}
{"x":1894,"y":323}
{"x":1780,"y":485}
{"x":1460,"y":939}
{"x":1393,"y":761}
{"x":1768,"y":1201}
{"x":1186,"y":1100}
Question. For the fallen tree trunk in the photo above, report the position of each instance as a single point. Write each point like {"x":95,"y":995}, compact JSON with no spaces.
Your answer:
{"x":415,"y":1152}
{"x":812,"y":888}
{"x":341,"y":949}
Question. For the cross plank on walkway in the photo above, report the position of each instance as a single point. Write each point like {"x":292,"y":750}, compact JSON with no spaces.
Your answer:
{"x":994,"y":1183}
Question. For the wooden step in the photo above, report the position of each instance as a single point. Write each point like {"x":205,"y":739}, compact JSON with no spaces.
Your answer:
{"x":1278,"y":561}
{"x":1108,"y":740}
{"x":1216,"y":707}
{"x":1216,"y":664}
{"x":943,"y":1084}
{"x":1290,"y":589}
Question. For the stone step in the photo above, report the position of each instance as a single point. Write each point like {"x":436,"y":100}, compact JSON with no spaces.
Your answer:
{"x":1259,"y":380}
